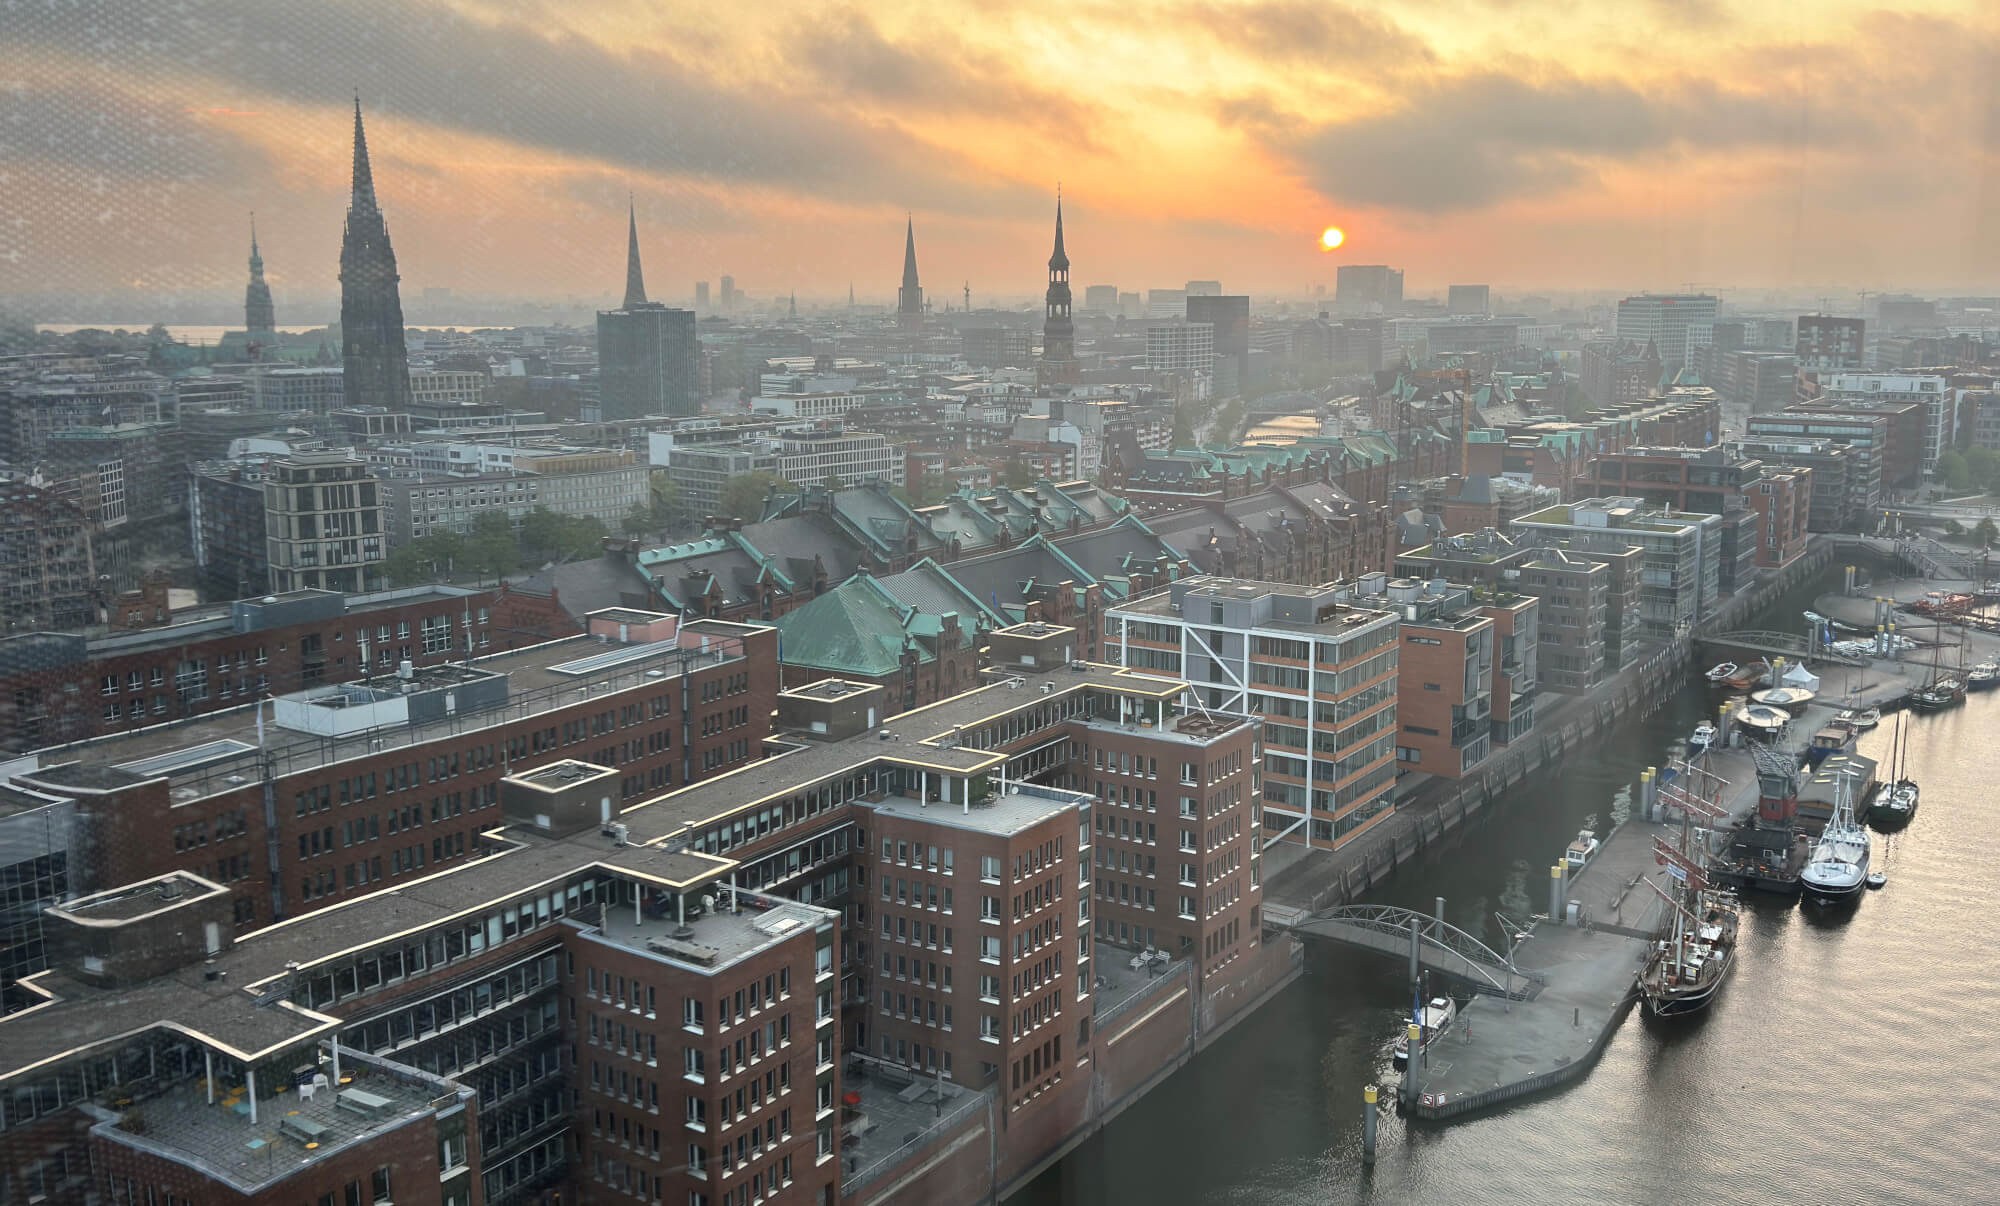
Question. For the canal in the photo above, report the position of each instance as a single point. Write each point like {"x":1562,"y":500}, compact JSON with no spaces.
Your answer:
{"x":1851,"y":1058}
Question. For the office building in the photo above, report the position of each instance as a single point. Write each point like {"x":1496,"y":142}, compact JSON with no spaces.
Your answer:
{"x":1621,"y":372}
{"x":1182,"y":348}
{"x":1580,"y":598}
{"x":34,"y":406}
{"x":323,"y":523}
{"x":1864,"y":435}
{"x":996,"y":347}
{"x":1464,"y":336}
{"x":1101,"y":299}
{"x":127,"y":472}
{"x":1841,"y":495}
{"x":1758,"y":381}
{"x":1682,"y":552}
{"x":1229,"y":314}
{"x":1470,"y":300}
{"x":1318,"y":664}
{"x":1367,"y":288}
{"x":1166,"y":303}
{"x":1935,"y":395}
{"x":48,"y":570}
{"x":700,"y":295}
{"x":646,"y":352}
{"x":594,"y":483}
{"x":1831,"y":345}
{"x":1667,"y":321}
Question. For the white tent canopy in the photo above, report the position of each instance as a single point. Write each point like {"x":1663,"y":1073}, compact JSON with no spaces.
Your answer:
{"x":1799,"y":676}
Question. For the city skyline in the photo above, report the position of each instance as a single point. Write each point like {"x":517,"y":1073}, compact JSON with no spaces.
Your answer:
{"x":1436,"y":142}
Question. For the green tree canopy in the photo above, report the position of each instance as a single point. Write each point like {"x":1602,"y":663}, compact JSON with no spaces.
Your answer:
{"x":1952,"y":467}
{"x":1985,"y":533}
{"x":743,"y":495}
{"x":1018,"y":477}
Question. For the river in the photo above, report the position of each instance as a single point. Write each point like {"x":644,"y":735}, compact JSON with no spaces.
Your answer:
{"x":1851,"y":1058}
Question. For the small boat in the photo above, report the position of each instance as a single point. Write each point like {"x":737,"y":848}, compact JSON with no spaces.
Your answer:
{"x":1582,"y":848}
{"x":1876,"y":879}
{"x":1438,"y":1017}
{"x":1703,"y":738}
{"x":1833,"y":737}
{"x":1942,"y":694}
{"x":1748,"y":675}
{"x":1983,"y":677}
{"x":1813,"y":617}
{"x":1721,"y":673}
{"x":1861,"y":719}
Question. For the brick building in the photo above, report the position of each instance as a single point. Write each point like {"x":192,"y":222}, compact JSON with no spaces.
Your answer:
{"x":193,"y":664}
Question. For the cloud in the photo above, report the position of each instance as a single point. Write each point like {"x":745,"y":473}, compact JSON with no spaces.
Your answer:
{"x":940,"y":75}
{"x":1341,"y":38}
{"x":1476,"y":140}
{"x":637,"y":106}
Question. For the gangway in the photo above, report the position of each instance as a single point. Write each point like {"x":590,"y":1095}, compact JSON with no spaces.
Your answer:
{"x":1429,"y":941}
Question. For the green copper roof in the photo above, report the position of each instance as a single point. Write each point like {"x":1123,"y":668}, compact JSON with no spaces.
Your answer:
{"x":855,"y":628}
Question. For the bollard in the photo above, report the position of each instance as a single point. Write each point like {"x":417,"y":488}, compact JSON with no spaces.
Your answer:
{"x":1556,"y":893}
{"x":1369,"y":1095}
{"x":1440,"y":909}
{"x":1415,"y":954}
{"x":1576,"y":1018}
{"x":1416,"y":1062}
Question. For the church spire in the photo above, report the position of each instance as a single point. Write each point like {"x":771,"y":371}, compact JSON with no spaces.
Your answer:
{"x":364,"y":179}
{"x":635,"y":281}
{"x":259,"y":321}
{"x":910,"y":298}
{"x":1058,"y":366}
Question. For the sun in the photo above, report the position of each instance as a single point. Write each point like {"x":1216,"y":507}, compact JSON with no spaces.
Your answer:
{"x":1331,"y":238}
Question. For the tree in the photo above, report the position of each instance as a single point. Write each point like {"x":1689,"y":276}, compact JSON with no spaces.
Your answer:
{"x":743,"y":495}
{"x":406,"y":567}
{"x":1953,"y":528}
{"x":664,"y":500}
{"x":639,"y":520}
{"x":1183,"y":436}
{"x":1018,"y":477}
{"x":492,"y":551}
{"x":1983,"y":465}
{"x":541,"y":532}
{"x":1985,"y":534}
{"x":1952,"y":467}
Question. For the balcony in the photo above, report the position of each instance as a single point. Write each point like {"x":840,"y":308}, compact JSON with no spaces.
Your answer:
{"x":1464,"y":732}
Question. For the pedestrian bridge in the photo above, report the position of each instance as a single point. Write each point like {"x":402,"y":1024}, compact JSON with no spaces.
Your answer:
{"x":1778,"y":644}
{"x":1439,"y":946}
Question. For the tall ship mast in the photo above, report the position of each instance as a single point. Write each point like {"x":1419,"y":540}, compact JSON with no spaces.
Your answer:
{"x":1696,"y":946}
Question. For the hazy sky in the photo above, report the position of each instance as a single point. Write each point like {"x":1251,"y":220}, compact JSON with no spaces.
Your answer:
{"x":1529,"y":143}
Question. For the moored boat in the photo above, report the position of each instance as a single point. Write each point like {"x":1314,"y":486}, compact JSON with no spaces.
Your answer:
{"x":1748,"y":675}
{"x":1437,"y":1015}
{"x":1696,"y":948}
{"x":1983,"y":677}
{"x":1702,"y":739}
{"x":1722,"y":672}
{"x":1838,"y":866}
{"x":1861,"y":719}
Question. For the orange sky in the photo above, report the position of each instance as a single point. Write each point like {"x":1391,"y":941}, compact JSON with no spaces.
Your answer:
{"x":1529,"y":143}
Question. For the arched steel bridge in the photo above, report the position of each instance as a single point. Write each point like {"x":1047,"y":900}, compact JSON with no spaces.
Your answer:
{"x":1441,"y":947}
{"x":1778,"y":644}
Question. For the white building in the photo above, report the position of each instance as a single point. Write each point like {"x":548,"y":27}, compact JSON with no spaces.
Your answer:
{"x":446,"y":387}
{"x":1183,"y":347}
{"x":1939,"y":399}
{"x":1668,"y":320}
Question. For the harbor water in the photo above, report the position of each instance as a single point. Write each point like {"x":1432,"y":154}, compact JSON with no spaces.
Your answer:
{"x":1850,"y":1059}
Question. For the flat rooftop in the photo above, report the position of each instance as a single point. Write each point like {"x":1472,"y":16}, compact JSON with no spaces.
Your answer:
{"x":219,"y":1137}
{"x":1190,"y":728}
{"x":713,"y":941}
{"x":218,"y":751}
{"x":1004,"y":813}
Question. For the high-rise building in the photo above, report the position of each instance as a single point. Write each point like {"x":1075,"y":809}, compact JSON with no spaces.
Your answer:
{"x":1166,"y":303}
{"x":646,"y":352}
{"x":1668,"y":321}
{"x":1101,"y":299}
{"x":1058,"y":366}
{"x":373,"y":354}
{"x":728,"y":298}
{"x":910,"y":296}
{"x":1203,"y":288}
{"x":1469,"y":299}
{"x":1934,"y":394}
{"x":1131,"y":305}
{"x":260,"y":322}
{"x":1229,"y":314}
{"x":1358,"y":288}
{"x":48,"y":574}
{"x":323,"y":523}
{"x":701,"y":295}
{"x":1831,"y":345}
{"x":1182,"y":347}
{"x":1249,"y":646}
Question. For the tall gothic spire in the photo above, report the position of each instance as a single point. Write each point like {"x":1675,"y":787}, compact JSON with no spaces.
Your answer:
{"x":635,"y":281}
{"x":364,"y":179}
{"x":1058,"y":366}
{"x":910,"y":298}
{"x":374,"y":355}
{"x":259,"y":320}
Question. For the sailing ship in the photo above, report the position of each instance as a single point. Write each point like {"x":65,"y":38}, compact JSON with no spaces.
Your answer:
{"x":1896,"y":804}
{"x":1945,"y":688}
{"x":1692,"y":956}
{"x":1838,"y":867}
